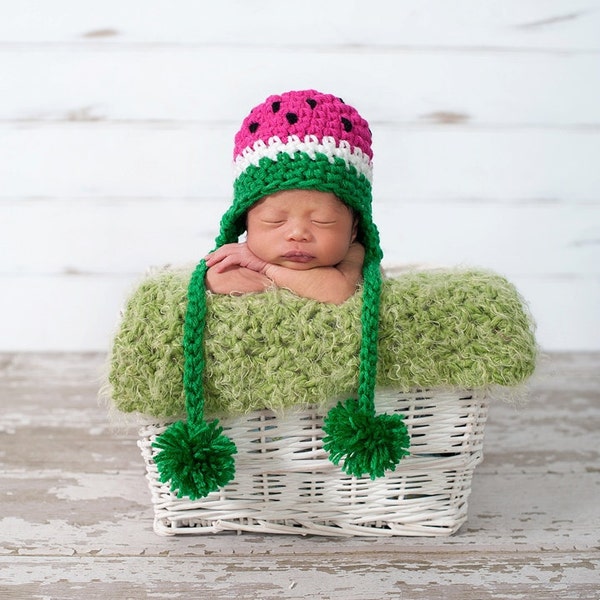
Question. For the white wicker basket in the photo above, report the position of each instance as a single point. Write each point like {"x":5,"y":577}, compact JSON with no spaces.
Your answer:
{"x":285,"y":483}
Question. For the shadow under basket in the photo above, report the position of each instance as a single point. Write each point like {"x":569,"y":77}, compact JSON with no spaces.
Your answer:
{"x":286,"y":484}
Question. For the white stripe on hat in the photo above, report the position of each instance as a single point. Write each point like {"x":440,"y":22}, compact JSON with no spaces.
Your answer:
{"x":311,"y":146}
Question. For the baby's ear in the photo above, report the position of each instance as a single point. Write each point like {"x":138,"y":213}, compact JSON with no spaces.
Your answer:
{"x":354,"y":229}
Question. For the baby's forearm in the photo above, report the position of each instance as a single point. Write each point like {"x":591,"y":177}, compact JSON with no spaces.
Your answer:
{"x":325,"y":284}
{"x":236,"y":280}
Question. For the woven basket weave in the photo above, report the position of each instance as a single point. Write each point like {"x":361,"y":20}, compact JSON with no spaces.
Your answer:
{"x":286,"y":484}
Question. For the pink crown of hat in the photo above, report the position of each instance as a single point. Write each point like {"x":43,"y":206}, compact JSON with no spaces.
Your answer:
{"x":308,"y":122}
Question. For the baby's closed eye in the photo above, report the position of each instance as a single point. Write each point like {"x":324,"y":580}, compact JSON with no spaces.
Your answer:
{"x":273,"y":221}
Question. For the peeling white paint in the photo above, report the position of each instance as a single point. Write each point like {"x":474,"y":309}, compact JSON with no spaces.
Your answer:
{"x":89,"y":486}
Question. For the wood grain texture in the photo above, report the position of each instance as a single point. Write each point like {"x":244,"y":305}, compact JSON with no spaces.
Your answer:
{"x":168,"y":86}
{"x":76,"y":522}
{"x":521,"y":24}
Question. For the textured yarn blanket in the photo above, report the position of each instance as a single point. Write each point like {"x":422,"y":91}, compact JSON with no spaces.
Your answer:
{"x":441,"y":328}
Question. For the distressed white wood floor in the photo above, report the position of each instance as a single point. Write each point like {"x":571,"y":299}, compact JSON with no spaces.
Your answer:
{"x":76,"y":522}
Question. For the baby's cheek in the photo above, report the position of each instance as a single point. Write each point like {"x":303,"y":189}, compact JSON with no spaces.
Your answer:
{"x":258,"y":246}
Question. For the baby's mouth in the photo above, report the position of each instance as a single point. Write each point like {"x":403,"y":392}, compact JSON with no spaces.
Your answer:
{"x":296,"y":256}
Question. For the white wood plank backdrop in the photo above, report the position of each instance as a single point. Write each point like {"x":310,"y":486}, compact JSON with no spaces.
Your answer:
{"x":117,"y":120}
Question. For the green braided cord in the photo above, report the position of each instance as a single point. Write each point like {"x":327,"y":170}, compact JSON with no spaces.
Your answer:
{"x":193,"y":345}
{"x":370,"y":333}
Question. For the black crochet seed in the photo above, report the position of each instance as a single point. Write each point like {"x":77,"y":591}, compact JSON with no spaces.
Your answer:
{"x":346,"y":123}
{"x":312,"y":103}
{"x":276,"y":106}
{"x":253,"y":127}
{"x":291,"y":118}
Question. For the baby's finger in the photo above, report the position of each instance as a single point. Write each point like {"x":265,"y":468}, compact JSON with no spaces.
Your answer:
{"x":226,"y":262}
{"x":215,"y":256}
{"x":222,"y":251}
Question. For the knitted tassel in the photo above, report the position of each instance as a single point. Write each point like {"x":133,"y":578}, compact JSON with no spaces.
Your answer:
{"x":196,"y":459}
{"x":367,"y":444}
{"x":195,"y":456}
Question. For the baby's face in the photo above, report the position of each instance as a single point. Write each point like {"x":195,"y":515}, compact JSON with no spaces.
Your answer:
{"x":300,"y":229}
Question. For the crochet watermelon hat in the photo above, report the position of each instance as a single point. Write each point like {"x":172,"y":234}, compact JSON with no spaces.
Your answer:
{"x":296,"y":140}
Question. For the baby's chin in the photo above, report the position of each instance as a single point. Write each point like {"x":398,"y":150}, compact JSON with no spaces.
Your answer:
{"x":297,"y":265}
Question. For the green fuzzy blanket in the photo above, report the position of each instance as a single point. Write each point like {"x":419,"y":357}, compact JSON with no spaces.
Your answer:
{"x":442,"y":328}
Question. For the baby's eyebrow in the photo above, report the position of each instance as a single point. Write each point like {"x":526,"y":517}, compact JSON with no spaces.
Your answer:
{"x":272,"y":217}
{"x":327,"y":212}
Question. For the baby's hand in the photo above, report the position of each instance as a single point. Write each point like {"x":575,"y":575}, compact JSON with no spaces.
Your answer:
{"x":232,"y":255}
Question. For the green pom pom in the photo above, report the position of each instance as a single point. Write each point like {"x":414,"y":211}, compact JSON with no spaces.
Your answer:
{"x":196,"y":459}
{"x":370,"y":444}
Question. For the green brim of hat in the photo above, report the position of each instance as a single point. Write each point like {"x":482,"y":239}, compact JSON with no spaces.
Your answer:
{"x":299,"y":171}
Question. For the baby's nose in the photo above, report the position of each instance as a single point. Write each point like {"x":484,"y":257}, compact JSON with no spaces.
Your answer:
{"x":298,"y":230}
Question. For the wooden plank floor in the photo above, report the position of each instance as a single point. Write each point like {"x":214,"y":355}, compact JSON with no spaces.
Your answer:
{"x":76,"y":522}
